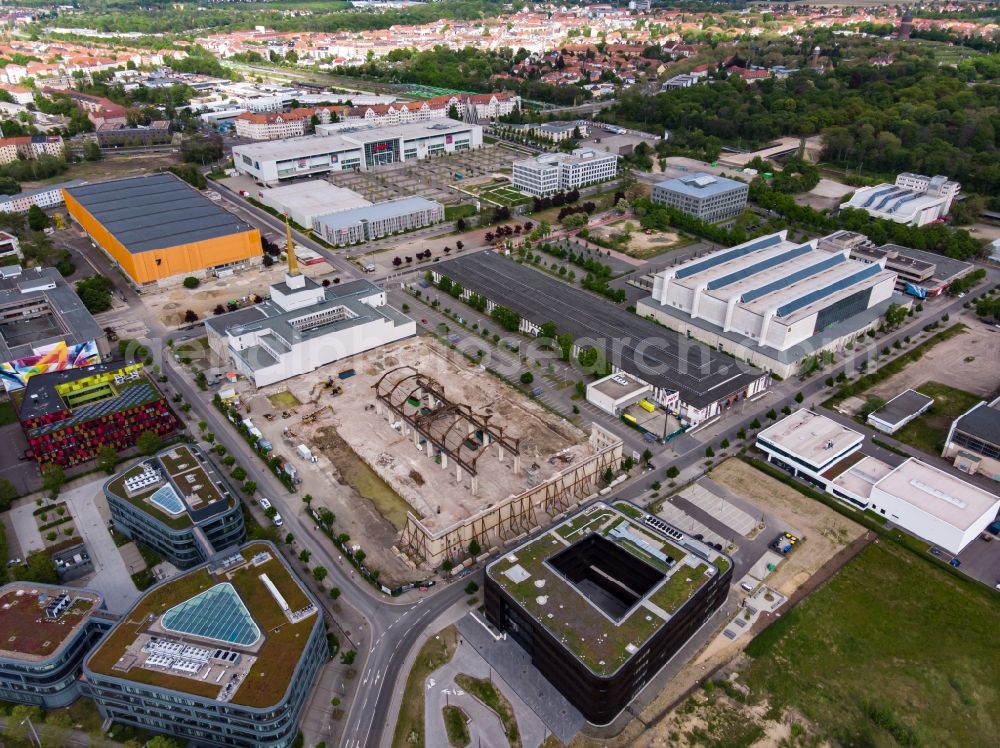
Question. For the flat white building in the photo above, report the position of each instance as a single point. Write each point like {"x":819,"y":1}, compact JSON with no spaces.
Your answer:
{"x":378,"y":220}
{"x":920,"y":498}
{"x":305,"y":326}
{"x":771,"y":301}
{"x":44,"y":197}
{"x":347,"y":147}
{"x":915,"y":199}
{"x":807,"y":444}
{"x":305,"y":201}
{"x":553,"y":172}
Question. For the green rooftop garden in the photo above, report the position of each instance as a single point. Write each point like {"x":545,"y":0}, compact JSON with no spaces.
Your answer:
{"x":600,"y":642}
{"x":140,"y":500}
{"x":277,"y":657}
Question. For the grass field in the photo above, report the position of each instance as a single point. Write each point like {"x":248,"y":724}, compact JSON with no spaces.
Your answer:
{"x":891,"y":651}
{"x":928,"y":432}
{"x":455,"y":723}
{"x":504,"y":195}
{"x":284,"y":399}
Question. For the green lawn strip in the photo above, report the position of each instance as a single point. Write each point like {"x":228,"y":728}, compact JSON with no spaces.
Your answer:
{"x":490,"y":695}
{"x":7,"y":413}
{"x":891,"y":651}
{"x":592,"y":520}
{"x":455,"y":724}
{"x":928,"y":431}
{"x":438,"y":650}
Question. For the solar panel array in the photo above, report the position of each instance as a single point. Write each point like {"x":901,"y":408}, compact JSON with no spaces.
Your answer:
{"x":759,"y":267}
{"x":795,"y":277}
{"x":217,"y":613}
{"x":711,"y":262}
{"x":803,"y":301}
{"x":134,"y":395}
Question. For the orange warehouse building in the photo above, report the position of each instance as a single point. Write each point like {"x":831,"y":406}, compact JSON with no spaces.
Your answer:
{"x":160,"y":230}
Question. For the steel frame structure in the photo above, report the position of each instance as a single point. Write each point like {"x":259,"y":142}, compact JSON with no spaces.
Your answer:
{"x":445,"y":424}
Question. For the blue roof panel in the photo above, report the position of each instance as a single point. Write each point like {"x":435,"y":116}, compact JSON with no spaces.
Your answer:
{"x":795,"y":277}
{"x":803,"y":301}
{"x":732,"y":254}
{"x":759,"y":267}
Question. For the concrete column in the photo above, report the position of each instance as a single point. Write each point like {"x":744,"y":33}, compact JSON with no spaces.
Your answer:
{"x":378,"y":407}
{"x":517,"y":464}
{"x":416,"y":438}
{"x":475,"y":484}
{"x":500,"y":453}
{"x":444,"y":460}
{"x":430,"y":449}
{"x":486,"y":439}
{"x":458,"y":472}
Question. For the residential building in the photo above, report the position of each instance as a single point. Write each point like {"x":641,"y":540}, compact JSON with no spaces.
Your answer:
{"x":47,"y":631}
{"x":44,"y":326}
{"x":915,"y":199}
{"x":270,"y":125}
{"x":603,"y":600}
{"x":44,"y":197}
{"x":918,"y":273}
{"x":68,"y":415}
{"x":921,"y":499}
{"x":555,"y":132}
{"x":773,"y":302}
{"x":378,"y":220}
{"x":29,"y":147}
{"x":973,"y":442}
{"x":160,"y":230}
{"x":111,"y":134}
{"x":305,"y":326}
{"x":346,"y":146}
{"x":704,"y":196}
{"x":553,"y":172}
{"x":691,"y":381}
{"x":20,"y":94}
{"x":178,"y":505}
{"x":223,"y":655}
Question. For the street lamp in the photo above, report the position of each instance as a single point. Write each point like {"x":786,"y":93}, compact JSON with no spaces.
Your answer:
{"x":34,"y":734}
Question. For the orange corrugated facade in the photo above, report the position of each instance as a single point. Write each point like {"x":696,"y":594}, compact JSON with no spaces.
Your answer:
{"x":182,"y":259}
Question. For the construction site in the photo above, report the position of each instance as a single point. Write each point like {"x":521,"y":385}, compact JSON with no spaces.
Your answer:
{"x":421,"y":454}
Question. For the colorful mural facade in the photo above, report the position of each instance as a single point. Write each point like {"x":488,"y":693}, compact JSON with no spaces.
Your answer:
{"x":54,"y":357}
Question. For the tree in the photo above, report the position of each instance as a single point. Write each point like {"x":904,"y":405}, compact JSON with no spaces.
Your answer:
{"x":647,"y":455}
{"x":17,"y":730}
{"x":190,"y":316}
{"x":202,"y":149}
{"x":8,"y":492}
{"x":95,"y":293}
{"x":239,"y":473}
{"x":527,"y":378}
{"x":161,"y":741}
{"x":326,"y":517}
{"x":673,"y":472}
{"x":895,"y":315}
{"x":40,"y":569}
{"x":148,"y":443}
{"x":191,"y":282}
{"x":38,"y":219}
{"x":319,"y":573}
{"x":453,"y":112}
{"x":872,"y":404}
{"x":474,"y":547}
{"x":334,"y":593}
{"x":53,"y":478}
{"x":304,"y":556}
{"x":250,"y":487}
{"x":92,"y":151}
{"x":107,"y":459}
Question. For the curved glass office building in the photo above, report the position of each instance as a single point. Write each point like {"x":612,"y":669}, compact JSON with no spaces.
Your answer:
{"x":178,"y":505}
{"x":223,"y":655}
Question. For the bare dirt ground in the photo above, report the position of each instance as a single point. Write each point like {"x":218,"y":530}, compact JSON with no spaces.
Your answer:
{"x":641,"y":244}
{"x":170,"y":304}
{"x":970,"y":362}
{"x":114,"y":166}
{"x":826,"y":194}
{"x":824,"y":531}
{"x":370,"y":476}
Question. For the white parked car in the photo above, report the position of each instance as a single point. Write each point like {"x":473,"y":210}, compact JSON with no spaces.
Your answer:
{"x":277,"y":520}
{"x":265,"y":504}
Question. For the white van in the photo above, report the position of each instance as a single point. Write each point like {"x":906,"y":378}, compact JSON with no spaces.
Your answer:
{"x":276,"y":519}
{"x":265,"y":504}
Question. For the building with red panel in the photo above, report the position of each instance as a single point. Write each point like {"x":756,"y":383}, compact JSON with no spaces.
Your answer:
{"x":68,"y":416}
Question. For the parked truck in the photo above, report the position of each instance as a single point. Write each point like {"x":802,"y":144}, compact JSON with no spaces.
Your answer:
{"x":305,"y":453}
